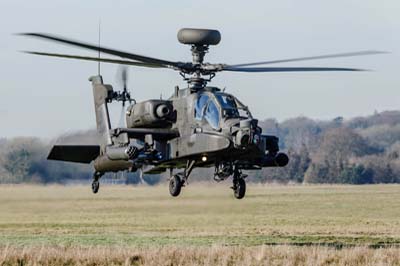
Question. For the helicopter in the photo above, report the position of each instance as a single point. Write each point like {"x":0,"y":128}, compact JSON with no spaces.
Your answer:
{"x":198,"y":126}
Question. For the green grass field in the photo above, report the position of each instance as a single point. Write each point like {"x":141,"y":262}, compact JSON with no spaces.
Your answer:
{"x":203,"y":216}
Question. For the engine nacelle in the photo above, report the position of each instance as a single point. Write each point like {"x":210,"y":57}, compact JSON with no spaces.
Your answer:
{"x":150,"y":114}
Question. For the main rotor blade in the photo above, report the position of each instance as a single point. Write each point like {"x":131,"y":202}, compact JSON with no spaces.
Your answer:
{"x":360,"y":53}
{"x":96,"y":59}
{"x":287,"y":69}
{"x":136,"y":57}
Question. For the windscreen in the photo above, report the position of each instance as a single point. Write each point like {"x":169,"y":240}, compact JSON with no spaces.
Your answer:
{"x":200,"y":105}
{"x":212,"y":114}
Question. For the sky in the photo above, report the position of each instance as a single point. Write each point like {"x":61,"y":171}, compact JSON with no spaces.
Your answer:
{"x":46,"y":97}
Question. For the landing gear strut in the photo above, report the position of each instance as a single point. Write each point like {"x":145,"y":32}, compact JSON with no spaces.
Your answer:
{"x":96,"y":182}
{"x":239,"y":184}
{"x":177,"y":181}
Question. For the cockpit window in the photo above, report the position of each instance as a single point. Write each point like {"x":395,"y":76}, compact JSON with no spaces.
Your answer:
{"x":212,"y":114}
{"x":228,"y":105}
{"x":226,"y":101}
{"x":200,"y":105}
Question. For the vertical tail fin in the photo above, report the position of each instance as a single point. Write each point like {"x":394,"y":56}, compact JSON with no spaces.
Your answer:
{"x":101,"y":94}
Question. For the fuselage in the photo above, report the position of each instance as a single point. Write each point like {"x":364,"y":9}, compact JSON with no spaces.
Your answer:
{"x":213,"y":127}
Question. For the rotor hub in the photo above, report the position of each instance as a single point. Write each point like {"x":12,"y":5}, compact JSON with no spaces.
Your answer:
{"x":200,"y":40}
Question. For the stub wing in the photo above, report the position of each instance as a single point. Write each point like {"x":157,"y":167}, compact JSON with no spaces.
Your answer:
{"x":74,"y":153}
{"x":140,"y":133}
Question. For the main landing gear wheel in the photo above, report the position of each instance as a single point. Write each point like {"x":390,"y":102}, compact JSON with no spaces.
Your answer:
{"x":239,"y":188}
{"x":175,"y":185}
{"x":177,"y":181}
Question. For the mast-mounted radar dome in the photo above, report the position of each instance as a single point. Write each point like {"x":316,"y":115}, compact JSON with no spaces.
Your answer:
{"x":199,"y":37}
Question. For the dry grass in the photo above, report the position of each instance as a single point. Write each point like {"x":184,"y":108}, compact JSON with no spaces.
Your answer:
{"x":310,"y":225}
{"x":261,"y":255}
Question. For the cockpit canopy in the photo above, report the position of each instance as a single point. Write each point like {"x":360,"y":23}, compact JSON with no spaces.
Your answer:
{"x":228,"y":105}
{"x":212,"y":107}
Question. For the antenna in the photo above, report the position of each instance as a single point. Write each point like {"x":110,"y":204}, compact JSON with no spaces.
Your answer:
{"x":98,"y":65}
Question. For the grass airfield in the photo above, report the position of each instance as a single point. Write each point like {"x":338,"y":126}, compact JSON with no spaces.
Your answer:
{"x":204,"y":225}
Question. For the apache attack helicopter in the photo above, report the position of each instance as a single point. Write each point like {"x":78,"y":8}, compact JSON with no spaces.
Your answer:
{"x":198,"y":126}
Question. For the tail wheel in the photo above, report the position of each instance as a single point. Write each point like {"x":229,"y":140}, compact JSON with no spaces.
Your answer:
{"x":95,"y":186}
{"x":96,"y":182}
{"x":175,"y":185}
{"x":239,"y":188}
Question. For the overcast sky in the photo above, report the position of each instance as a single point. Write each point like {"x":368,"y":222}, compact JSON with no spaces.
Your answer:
{"x":46,"y":97}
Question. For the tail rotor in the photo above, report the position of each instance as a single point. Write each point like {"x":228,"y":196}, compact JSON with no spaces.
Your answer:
{"x":124,"y":95}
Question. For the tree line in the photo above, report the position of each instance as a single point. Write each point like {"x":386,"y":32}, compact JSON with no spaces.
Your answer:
{"x":362,"y":150}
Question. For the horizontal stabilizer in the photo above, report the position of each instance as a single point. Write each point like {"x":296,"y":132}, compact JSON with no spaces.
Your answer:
{"x":74,"y":153}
